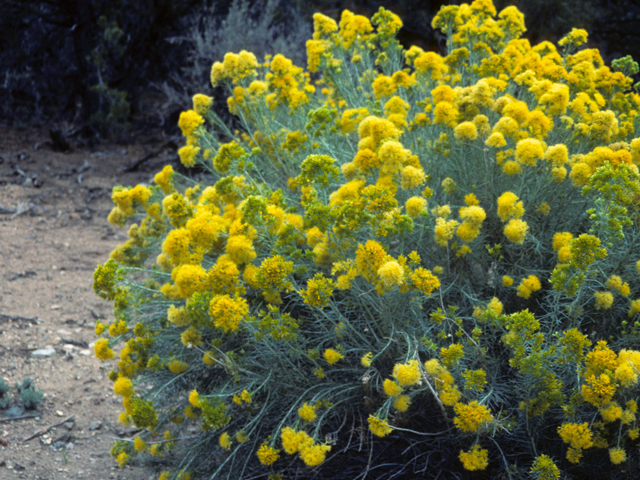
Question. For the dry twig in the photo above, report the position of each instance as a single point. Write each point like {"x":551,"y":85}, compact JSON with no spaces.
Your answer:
{"x":45,"y":430}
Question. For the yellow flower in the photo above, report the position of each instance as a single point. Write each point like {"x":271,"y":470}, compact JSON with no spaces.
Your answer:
{"x":611,"y":412}
{"x":202,"y":104}
{"x":163,"y":179}
{"x":474,"y":379}
{"x":139,"y":444}
{"x":194,"y":399}
{"x":412,"y":177}
{"x":557,"y":155}
{"x":528,"y":286}
{"x":507,"y":281}
{"x":495,"y":305}
{"x":291,"y":440}
{"x":509,"y":208}
{"x":225,"y":441}
{"x":469,"y":418}
{"x":574,"y":454}
{"x":558,"y":174}
{"x":444,"y":230}
{"x":369,"y":258}
{"x":366,"y":359}
{"x":466,"y":132}
{"x":391,"y":274}
{"x":424,"y":281}
{"x":407,"y":374}
{"x":267,"y":454}
{"x":307,"y":412}
{"x":452,"y":354}
{"x":178,"y":316}
{"x":240,"y":249}
{"x":102,"y":350}
{"x":122,"y":459}
{"x":383,"y":86}
{"x":604,"y":300}
{"x":189,"y":121}
{"x":177,"y":367}
{"x":445,"y":113}
{"x":415,"y":206}
{"x":578,"y":436}
{"x":227,"y":312}
{"x":449,"y":185}
{"x":188,"y":155}
{"x":379,"y":427}
{"x":617,"y":455}
{"x":511,"y":167}
{"x":332,"y":356}
{"x":495,"y":140}
{"x":313,"y":455}
{"x":544,"y":468}
{"x":391,"y":388}
{"x":516,"y":230}
{"x":575,"y":38}
{"x":402,"y":403}
{"x":123,"y":386}
{"x":475,"y":459}
{"x":626,"y":374}
{"x":473,"y":215}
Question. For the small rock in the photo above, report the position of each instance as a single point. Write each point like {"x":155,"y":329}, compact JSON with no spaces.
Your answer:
{"x":85,"y":352}
{"x":55,"y":307}
{"x":60,"y":413}
{"x":70,"y":446}
{"x":95,"y":425}
{"x":43,"y":353}
{"x":68,"y":347}
{"x":17,"y":466}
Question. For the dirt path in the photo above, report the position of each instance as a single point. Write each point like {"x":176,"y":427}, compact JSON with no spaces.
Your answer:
{"x":53,"y":232}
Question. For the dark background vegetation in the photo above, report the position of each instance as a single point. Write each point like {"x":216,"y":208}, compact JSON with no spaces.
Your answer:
{"x":107,"y":69}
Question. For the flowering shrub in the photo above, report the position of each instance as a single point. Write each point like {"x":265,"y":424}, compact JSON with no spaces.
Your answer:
{"x":403,"y":261}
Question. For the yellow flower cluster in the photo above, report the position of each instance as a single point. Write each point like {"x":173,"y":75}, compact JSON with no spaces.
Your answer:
{"x":293,"y":442}
{"x":471,"y":417}
{"x":448,"y":392}
{"x":475,"y":459}
{"x":528,"y":286}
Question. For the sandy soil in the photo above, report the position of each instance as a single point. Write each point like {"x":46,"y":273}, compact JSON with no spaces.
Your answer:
{"x":53,"y":232}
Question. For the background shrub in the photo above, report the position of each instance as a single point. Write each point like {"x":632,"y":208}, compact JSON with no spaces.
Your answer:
{"x":101,"y":64}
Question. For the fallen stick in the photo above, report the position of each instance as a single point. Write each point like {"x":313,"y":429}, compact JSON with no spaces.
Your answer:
{"x":45,"y":430}
{"x":6,"y":210}
{"x":5,"y":317}
{"x":6,"y":420}
{"x":134,"y":166}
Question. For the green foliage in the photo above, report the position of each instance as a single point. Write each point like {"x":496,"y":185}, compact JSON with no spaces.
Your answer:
{"x":5,"y":400}
{"x":31,"y":397}
{"x":427,"y":253}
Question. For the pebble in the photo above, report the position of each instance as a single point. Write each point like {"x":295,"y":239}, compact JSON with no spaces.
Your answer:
{"x":43,"y":353}
{"x":95,"y":425}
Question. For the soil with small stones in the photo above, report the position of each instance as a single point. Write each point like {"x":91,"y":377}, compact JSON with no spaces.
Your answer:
{"x":53,"y":233}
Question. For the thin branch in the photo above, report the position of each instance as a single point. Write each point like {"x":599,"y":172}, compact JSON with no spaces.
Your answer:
{"x":45,"y":430}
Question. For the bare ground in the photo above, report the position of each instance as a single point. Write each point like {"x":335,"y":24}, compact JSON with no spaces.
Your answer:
{"x":53,"y":233}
